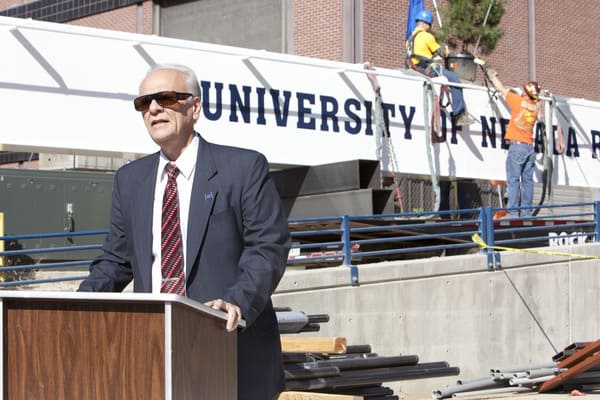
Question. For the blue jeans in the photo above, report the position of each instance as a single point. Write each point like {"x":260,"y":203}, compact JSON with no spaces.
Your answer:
{"x":520,"y":162}
{"x":458,"y":101}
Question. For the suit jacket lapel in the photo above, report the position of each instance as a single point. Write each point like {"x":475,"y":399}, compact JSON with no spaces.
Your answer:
{"x":143,"y":204}
{"x":204,"y":194}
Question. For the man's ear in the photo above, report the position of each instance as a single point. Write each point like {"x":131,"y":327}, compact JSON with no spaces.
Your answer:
{"x":197,"y":107}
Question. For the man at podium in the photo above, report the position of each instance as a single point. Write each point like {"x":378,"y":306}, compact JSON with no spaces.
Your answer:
{"x":200,"y":220}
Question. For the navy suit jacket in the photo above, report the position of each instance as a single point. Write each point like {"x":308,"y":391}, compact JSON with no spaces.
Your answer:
{"x":237,"y":247}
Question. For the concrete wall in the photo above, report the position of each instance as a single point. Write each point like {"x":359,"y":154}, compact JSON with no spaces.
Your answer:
{"x":453,"y":309}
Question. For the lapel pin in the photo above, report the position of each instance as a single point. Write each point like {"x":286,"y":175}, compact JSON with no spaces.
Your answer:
{"x":208,"y":196}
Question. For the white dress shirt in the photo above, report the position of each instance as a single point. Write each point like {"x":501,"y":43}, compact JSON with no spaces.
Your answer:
{"x":185,"y":180}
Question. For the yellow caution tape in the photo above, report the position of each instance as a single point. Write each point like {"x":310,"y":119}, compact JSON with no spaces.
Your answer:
{"x":483,"y":245}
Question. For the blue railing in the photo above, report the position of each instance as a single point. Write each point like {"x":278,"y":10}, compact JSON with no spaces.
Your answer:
{"x":347,"y":240}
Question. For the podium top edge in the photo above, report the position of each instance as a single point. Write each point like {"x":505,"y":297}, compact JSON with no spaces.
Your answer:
{"x":110,"y":296}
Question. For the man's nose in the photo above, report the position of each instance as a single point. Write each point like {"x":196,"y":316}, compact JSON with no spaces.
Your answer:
{"x":155,"y":107}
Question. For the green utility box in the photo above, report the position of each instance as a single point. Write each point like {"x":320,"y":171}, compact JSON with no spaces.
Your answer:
{"x":38,"y":202}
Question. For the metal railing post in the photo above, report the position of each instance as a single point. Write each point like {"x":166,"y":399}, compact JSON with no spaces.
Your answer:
{"x":597,"y":221}
{"x":347,"y":250}
{"x":487,"y":230}
{"x":482,"y":226}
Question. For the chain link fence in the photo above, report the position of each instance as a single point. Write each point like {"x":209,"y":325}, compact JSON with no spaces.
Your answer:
{"x":414,"y":194}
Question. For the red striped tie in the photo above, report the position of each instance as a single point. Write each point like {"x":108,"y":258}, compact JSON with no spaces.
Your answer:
{"x":173,"y":277}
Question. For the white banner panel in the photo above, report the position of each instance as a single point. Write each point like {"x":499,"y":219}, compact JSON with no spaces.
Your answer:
{"x":68,"y":89}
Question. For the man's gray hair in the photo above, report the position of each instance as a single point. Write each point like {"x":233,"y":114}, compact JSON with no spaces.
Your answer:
{"x":191,"y":81}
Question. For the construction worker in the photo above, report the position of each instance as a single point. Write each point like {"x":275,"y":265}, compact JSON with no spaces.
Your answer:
{"x":520,"y":160}
{"x":423,"y":54}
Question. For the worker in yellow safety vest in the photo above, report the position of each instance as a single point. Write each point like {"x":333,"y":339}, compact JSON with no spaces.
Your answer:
{"x":423,"y":54}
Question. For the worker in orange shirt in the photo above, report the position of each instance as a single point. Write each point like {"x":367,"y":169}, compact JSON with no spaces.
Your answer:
{"x":520,"y":160}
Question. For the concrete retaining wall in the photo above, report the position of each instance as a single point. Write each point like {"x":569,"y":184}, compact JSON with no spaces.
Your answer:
{"x":453,"y":309}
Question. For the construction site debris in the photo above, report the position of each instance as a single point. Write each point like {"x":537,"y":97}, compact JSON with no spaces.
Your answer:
{"x":577,"y":367}
{"x":328,"y":366}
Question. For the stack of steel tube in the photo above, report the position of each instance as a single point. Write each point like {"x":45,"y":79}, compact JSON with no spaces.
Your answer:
{"x":575,"y":367}
{"x":501,"y":380}
{"x":357,"y":372}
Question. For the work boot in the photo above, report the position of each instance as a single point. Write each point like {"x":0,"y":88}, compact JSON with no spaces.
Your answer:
{"x":464,"y":119}
{"x":500,"y":214}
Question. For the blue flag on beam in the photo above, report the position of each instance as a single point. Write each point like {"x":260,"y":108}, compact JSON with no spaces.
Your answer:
{"x":413,"y":8}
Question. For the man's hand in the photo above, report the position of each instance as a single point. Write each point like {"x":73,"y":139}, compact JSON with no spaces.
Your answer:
{"x":234,"y":314}
{"x":492,"y":73}
{"x":372,"y":77}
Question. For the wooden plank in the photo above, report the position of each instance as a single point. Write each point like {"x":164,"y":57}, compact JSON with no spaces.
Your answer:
{"x":336,"y":345}
{"x":580,"y":355}
{"x":571,"y":373}
{"x":316,"y":396}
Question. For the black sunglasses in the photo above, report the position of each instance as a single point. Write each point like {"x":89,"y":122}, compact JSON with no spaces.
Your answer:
{"x":164,"y":99}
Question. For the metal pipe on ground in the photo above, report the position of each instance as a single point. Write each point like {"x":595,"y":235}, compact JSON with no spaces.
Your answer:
{"x":476,"y":380}
{"x":424,"y":366}
{"x":508,"y":389}
{"x":291,"y":321}
{"x":318,"y":318}
{"x":534,"y":373}
{"x":576,"y":345}
{"x":371,"y":362}
{"x":351,"y":355}
{"x":310,"y":328}
{"x":322,"y":357}
{"x":358,"y":348}
{"x":296,"y":357}
{"x":530,"y":381}
{"x":478,"y":384}
{"x":561,"y":355}
{"x":369,"y":378}
{"x":307,"y":373}
{"x":301,"y":357}
{"x":523,"y":368}
{"x":367,"y":392}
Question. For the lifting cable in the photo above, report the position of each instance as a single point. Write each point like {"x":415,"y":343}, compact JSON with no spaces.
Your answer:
{"x":429,"y":98}
{"x":383,"y":139}
{"x":548,"y":146}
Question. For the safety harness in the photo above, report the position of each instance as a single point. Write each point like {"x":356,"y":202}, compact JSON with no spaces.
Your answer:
{"x":431,"y":69}
{"x":424,"y":62}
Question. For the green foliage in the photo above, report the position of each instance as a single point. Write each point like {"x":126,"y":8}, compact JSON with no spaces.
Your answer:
{"x":462,"y":22}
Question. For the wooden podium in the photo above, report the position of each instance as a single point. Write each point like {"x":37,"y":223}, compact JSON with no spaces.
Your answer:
{"x":59,"y":345}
